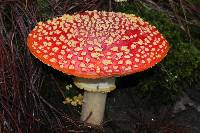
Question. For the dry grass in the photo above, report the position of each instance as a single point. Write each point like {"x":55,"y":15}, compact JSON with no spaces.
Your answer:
{"x":22,"y":108}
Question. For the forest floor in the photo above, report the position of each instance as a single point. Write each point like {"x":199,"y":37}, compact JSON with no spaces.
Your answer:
{"x":127,"y":112}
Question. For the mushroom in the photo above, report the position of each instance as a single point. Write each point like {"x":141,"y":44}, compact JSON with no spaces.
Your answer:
{"x":95,"y":47}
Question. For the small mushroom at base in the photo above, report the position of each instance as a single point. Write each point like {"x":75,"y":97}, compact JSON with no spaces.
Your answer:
{"x":94,"y":98}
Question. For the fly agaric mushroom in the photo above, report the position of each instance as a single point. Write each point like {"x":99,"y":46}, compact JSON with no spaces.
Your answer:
{"x":96,"y":47}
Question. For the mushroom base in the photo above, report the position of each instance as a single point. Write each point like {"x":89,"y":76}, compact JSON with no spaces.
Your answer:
{"x":93,"y":107}
{"x":94,"y":98}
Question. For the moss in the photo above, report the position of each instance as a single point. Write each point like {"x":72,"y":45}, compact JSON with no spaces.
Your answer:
{"x":183,"y":60}
{"x":44,"y":9}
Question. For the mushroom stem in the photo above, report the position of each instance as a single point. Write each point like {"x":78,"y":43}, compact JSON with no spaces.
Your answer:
{"x":94,"y":98}
{"x":93,"y":107}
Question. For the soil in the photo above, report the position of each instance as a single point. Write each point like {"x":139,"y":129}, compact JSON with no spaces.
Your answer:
{"x":127,"y":112}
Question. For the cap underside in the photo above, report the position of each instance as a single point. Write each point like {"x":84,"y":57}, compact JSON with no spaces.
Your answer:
{"x":96,"y":85}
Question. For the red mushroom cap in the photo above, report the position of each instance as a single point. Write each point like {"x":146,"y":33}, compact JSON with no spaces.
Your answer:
{"x":96,"y":44}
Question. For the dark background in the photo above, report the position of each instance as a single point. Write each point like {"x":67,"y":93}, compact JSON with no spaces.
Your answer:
{"x":32,"y":94}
